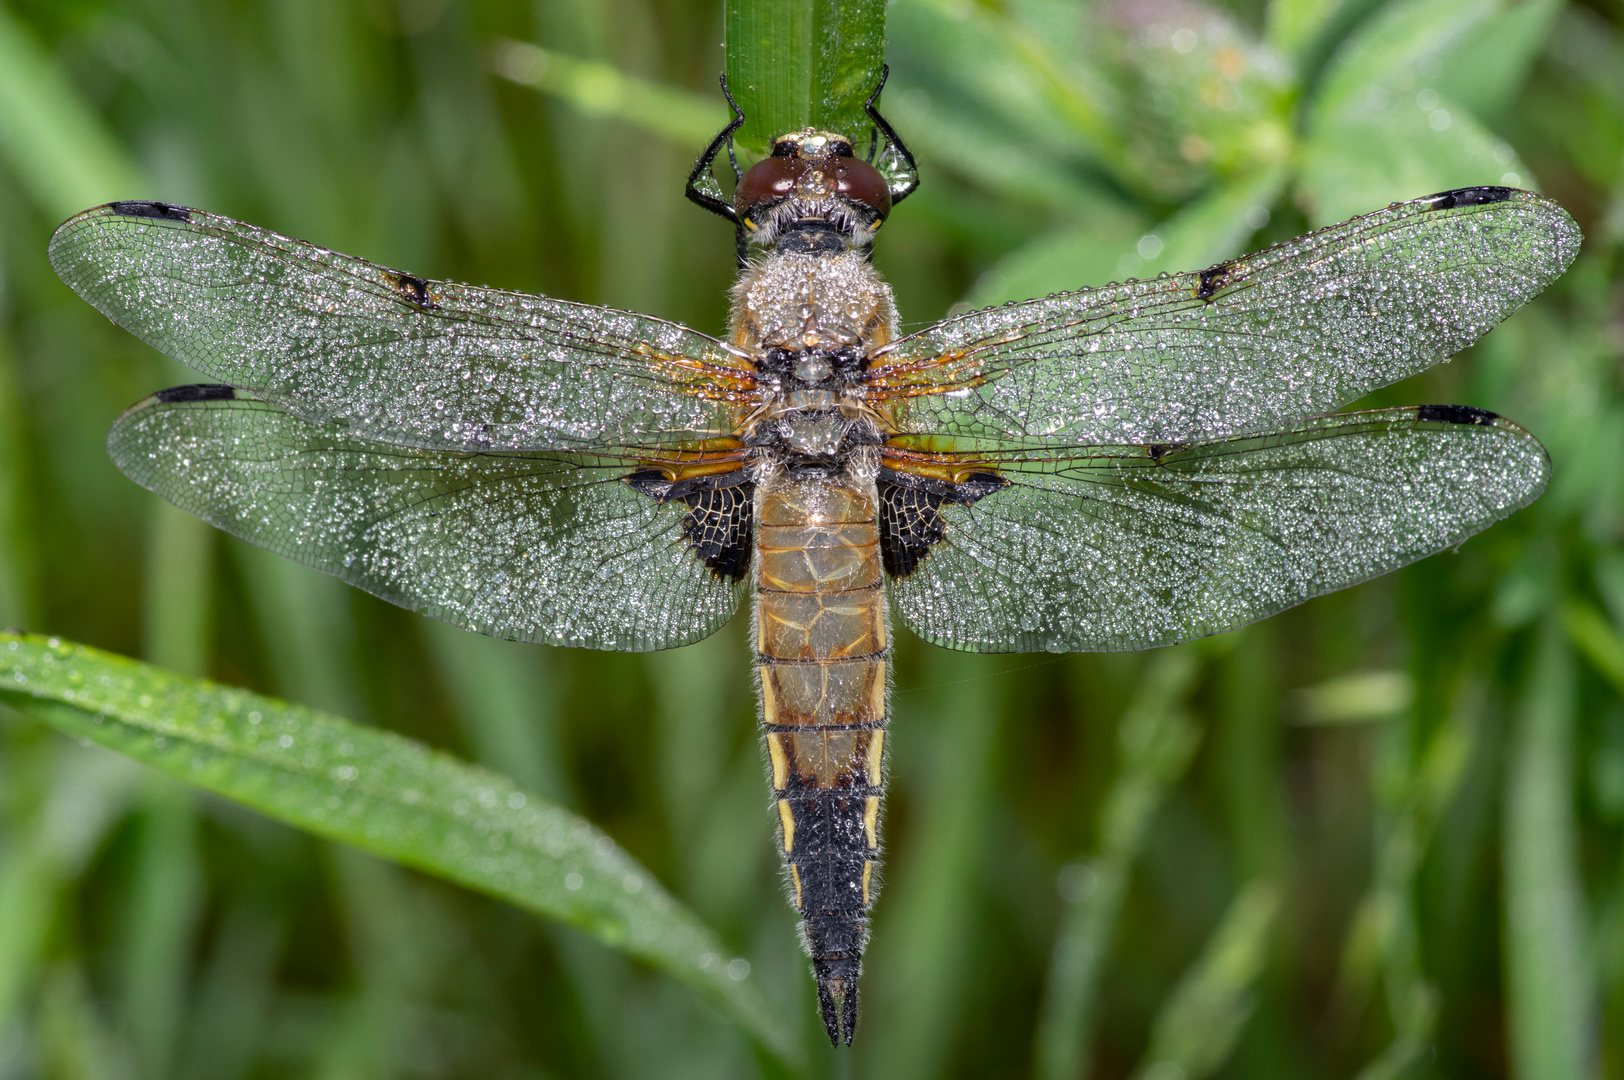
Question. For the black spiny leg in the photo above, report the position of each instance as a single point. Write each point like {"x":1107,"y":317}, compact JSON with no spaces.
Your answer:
{"x":702,"y":167}
{"x":907,"y":180}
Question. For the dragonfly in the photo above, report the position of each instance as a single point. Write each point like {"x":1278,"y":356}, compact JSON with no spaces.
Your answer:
{"x":1109,"y":468}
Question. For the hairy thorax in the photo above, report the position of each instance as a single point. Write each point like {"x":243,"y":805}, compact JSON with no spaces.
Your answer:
{"x":812,"y":302}
{"x":811,"y":321}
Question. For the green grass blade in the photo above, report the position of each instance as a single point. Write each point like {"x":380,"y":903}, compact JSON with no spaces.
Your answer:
{"x":20,"y":588}
{"x":1594,"y":636}
{"x":1380,"y":131}
{"x":1550,"y":1001}
{"x":1291,"y":26}
{"x":1198,"y":1027}
{"x":1204,"y":232}
{"x":57,"y":147}
{"x":1414,"y":784}
{"x":1357,"y":697}
{"x":163,"y":906}
{"x":602,"y":89}
{"x":84,"y":795}
{"x":924,"y":928}
{"x":506,"y":701}
{"x":380,"y":792}
{"x":176,"y":596}
{"x":803,"y":63}
{"x":1157,"y":741}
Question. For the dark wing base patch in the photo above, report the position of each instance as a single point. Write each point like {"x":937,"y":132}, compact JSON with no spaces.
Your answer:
{"x":911,"y":513}
{"x":720,"y":520}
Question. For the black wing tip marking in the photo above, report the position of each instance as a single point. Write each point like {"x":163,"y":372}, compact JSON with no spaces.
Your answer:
{"x":143,"y":208}
{"x":1470,"y":196}
{"x":195,"y":392}
{"x":1456,"y":414}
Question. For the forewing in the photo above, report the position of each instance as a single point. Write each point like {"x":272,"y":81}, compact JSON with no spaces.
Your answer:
{"x":1124,"y":548}
{"x":1245,"y":347}
{"x":543,"y":547}
{"x":395,"y":357}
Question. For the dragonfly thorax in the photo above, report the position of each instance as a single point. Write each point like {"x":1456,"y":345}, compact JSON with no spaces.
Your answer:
{"x":804,"y":431}
{"x":810,"y":324}
{"x":794,"y":313}
{"x":815,"y":367}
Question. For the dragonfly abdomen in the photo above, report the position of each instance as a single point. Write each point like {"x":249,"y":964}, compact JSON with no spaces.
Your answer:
{"x":822,"y":643}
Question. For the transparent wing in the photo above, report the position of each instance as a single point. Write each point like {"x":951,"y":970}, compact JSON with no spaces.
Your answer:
{"x":397,"y":358}
{"x":542,"y":547}
{"x":1118,"y":549}
{"x":1244,"y":347}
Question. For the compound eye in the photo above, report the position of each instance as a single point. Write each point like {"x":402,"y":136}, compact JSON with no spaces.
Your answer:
{"x":769,"y":180}
{"x":861,"y":182}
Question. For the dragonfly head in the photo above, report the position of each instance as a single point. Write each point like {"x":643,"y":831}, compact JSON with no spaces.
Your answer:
{"x":812,"y":195}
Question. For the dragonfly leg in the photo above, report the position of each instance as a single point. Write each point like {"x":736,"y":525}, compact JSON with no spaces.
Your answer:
{"x":696,"y":194}
{"x":904,"y":181}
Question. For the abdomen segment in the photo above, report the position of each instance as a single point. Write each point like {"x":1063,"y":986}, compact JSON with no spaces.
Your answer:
{"x":822,"y":645}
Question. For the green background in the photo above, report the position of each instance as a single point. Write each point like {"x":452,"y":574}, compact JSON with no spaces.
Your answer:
{"x":1377,"y":836}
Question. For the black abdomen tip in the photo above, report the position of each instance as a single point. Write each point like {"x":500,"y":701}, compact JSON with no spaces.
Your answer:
{"x":196,"y":392}
{"x":837,"y":997}
{"x":1455,"y":414}
{"x":143,"y":209}
{"x":1469,"y":196}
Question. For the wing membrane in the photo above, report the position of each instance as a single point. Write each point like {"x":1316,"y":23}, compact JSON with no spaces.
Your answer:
{"x":1123,"y":548}
{"x":1245,"y":347}
{"x":397,"y":358}
{"x":543,"y":547}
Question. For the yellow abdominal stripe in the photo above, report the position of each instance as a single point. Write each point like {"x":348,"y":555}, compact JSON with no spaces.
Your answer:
{"x":787,"y":816}
{"x":876,"y":744}
{"x":780,"y":762}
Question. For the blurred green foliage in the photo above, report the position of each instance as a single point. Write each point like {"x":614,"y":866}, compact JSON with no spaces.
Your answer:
{"x":1377,"y":836}
{"x":384,"y":794}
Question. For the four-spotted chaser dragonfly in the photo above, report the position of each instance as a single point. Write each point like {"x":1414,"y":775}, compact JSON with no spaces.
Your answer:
{"x":1111,"y":468}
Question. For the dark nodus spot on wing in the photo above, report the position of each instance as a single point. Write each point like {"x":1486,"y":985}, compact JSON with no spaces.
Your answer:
{"x":1455,"y":414}
{"x":1215,"y":278}
{"x":1471,"y":196}
{"x":414,"y":290}
{"x":143,"y":209}
{"x":196,"y":392}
